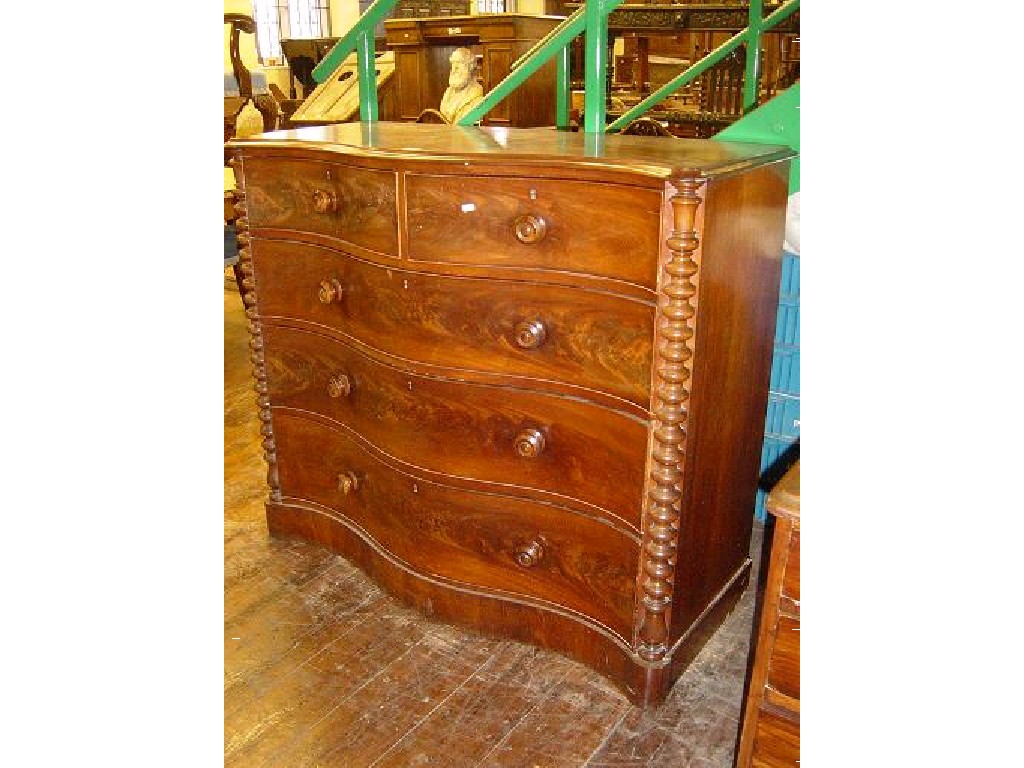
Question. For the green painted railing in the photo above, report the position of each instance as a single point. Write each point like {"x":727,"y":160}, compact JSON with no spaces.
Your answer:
{"x":591,"y":19}
{"x":361,"y":40}
{"x":751,"y":36}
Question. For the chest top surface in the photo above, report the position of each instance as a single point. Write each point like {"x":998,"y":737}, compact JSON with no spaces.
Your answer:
{"x":641,"y":156}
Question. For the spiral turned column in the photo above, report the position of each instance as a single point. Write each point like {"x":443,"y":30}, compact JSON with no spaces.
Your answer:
{"x":259,"y":366}
{"x":673,"y":367}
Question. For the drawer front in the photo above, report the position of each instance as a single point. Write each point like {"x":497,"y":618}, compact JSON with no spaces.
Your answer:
{"x":607,"y":230}
{"x":582,"y":338}
{"x":784,"y":665}
{"x":529,"y":440}
{"x":480,"y":539}
{"x":791,"y":577}
{"x":356,"y":205}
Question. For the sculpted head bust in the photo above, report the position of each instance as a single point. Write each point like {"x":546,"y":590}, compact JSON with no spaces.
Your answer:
{"x":463,"y":92}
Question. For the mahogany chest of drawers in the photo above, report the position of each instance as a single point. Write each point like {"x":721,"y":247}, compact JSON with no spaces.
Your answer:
{"x":519,"y":375}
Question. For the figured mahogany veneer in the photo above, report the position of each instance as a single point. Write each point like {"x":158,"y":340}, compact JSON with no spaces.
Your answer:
{"x":520,"y":376}
{"x":515,"y":547}
{"x":589,"y":340}
{"x":356,"y":205}
{"x":515,"y":440}
{"x":554,"y":226}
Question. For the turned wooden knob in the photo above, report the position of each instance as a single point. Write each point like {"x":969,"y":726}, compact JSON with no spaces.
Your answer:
{"x":348,"y":482}
{"x":339,"y":386}
{"x":529,"y":443}
{"x":530,"y":334}
{"x":330,"y":290}
{"x":324,"y":201}
{"x":528,"y":555}
{"x":530,"y":228}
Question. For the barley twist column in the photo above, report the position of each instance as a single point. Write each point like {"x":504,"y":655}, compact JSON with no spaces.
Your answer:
{"x":673,"y":367}
{"x":259,"y":367}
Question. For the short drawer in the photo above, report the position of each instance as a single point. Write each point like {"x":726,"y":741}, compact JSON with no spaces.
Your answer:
{"x":583,"y":338}
{"x":519,"y":440}
{"x":784,"y":665}
{"x":606,"y":230}
{"x":355,"y":205}
{"x":498,"y":544}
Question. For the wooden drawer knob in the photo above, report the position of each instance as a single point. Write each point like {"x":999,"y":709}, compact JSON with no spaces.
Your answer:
{"x":528,"y":555}
{"x":530,"y":334}
{"x":529,"y":443}
{"x":330,"y":290}
{"x":339,"y":386}
{"x":348,"y":482}
{"x":324,"y":201}
{"x":530,"y":228}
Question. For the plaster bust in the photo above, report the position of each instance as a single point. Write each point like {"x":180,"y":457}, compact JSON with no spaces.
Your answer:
{"x":463,"y":92}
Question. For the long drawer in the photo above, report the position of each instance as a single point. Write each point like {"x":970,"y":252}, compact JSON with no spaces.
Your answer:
{"x":518,"y":440}
{"x":538,"y":223}
{"x":583,"y":338}
{"x":496,"y":544}
{"x":355,"y":205}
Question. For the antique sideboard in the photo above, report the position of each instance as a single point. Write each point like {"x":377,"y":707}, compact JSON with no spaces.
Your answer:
{"x":519,"y":375}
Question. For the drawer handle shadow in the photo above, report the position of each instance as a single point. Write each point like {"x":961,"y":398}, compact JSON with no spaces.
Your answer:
{"x":348,"y":482}
{"x":324,"y":201}
{"x":530,"y":228}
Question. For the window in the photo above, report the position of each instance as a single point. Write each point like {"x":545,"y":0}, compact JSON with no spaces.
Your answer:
{"x":496,"y":6}
{"x":287,"y":19}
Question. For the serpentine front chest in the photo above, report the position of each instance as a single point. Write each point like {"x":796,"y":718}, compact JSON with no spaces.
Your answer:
{"x":519,"y":376}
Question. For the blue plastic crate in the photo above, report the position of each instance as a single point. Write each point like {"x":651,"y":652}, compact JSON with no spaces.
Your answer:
{"x":785,"y":370}
{"x":787,"y":323}
{"x":789,"y":285}
{"x":783,"y":416}
{"x":782,"y":419}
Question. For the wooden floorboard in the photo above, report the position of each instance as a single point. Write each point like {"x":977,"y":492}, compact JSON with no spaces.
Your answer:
{"x":324,"y":669}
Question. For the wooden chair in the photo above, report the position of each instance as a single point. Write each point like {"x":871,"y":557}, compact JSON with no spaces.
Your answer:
{"x":432,"y":116}
{"x":646,"y":126}
{"x":721,"y":87}
{"x":264,"y":104}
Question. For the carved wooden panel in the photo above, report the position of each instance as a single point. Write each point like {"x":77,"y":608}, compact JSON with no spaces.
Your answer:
{"x":407,"y":72}
{"x":497,"y":61}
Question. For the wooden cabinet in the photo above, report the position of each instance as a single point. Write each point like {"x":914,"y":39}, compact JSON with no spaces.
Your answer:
{"x":770,"y":734}
{"x":422,"y":47}
{"x":519,"y":375}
